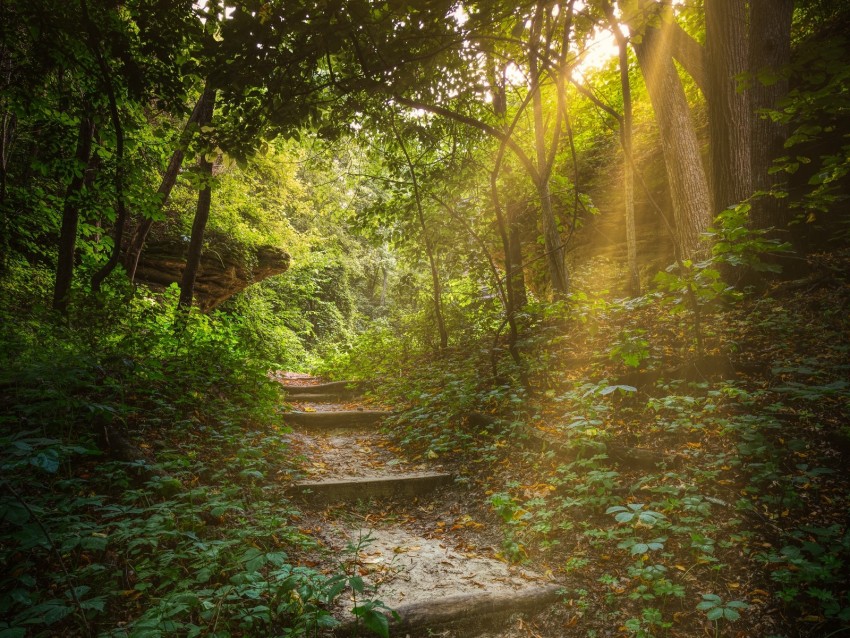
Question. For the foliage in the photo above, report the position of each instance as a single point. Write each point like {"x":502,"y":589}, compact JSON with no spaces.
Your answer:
{"x":814,"y":111}
{"x":141,"y":445}
{"x":194,"y":542}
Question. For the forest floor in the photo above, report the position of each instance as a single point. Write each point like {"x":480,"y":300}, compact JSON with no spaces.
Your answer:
{"x":686,"y":495}
{"x":427,"y":552}
{"x":664,"y":492}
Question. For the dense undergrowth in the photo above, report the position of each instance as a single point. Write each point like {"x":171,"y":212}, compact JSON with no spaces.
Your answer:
{"x":678,"y":476}
{"x":676,"y":492}
{"x":141,"y":450}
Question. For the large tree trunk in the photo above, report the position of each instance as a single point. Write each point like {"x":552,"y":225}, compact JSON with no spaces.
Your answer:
{"x":628,"y":159}
{"x":729,"y":113}
{"x":196,"y":243}
{"x":71,"y":218}
{"x":770,"y":51}
{"x":688,"y":184}
{"x":169,"y":179}
{"x":556,"y":251}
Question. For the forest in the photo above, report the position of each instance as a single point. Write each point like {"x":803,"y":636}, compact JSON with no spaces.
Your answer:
{"x":411,"y":318}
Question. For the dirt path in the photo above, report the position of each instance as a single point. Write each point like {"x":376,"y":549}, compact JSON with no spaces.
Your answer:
{"x":402,"y":527}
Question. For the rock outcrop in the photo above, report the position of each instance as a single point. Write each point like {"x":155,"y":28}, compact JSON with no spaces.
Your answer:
{"x":224,"y":269}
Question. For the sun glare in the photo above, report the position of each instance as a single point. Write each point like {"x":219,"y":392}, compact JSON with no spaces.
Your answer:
{"x":599,"y":50}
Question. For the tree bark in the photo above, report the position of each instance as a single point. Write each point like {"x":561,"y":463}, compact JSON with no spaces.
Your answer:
{"x":8,"y":134}
{"x":169,"y":179}
{"x":196,"y":243}
{"x":628,"y":168}
{"x":689,"y":53}
{"x":770,"y":51}
{"x":555,"y":249}
{"x":729,"y":113}
{"x":71,"y":218}
{"x":688,"y":184}
{"x":202,"y":214}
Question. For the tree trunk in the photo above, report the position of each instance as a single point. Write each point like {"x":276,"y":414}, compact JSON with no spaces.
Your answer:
{"x":770,"y":51}
{"x":196,"y":243}
{"x":688,"y":185}
{"x":552,"y":242}
{"x":202,"y":214}
{"x":71,"y":217}
{"x":628,"y":167}
{"x":729,"y":113}
{"x":134,"y":250}
{"x":515,"y":225}
{"x":8,"y":134}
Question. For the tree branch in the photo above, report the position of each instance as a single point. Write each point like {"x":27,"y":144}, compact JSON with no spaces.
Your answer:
{"x":507,"y":140}
{"x":689,"y":53}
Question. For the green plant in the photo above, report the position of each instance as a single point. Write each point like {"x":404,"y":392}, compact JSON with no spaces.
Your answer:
{"x":638,"y":547}
{"x":636,"y":514}
{"x":644,"y":626}
{"x":631,"y":347}
{"x":514,"y":516}
{"x":372,"y":613}
{"x":716,"y":609}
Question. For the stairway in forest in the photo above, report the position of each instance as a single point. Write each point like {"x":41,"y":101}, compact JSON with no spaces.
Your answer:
{"x":357,"y":492}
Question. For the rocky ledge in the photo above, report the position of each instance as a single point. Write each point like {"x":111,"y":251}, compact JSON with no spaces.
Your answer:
{"x":223,"y":271}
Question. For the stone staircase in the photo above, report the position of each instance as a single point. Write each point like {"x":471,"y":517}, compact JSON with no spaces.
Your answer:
{"x":435,"y":589}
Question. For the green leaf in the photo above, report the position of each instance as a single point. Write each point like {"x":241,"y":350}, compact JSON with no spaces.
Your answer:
{"x":613,"y":388}
{"x":253,"y":559}
{"x":13,"y":512}
{"x":715,"y":613}
{"x":632,"y":624}
{"x":47,"y":460}
{"x":373,"y":620}
{"x":46,"y":613}
{"x":97,"y":604}
{"x":730,"y":614}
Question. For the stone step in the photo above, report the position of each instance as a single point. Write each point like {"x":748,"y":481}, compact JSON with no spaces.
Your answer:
{"x":465,"y":614}
{"x":336,"y":419}
{"x":302,"y":397}
{"x":337,"y":388}
{"x":354,"y":488}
